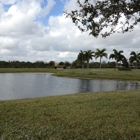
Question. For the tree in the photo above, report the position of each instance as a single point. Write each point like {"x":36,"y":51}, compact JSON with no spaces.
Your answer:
{"x":81,"y":58}
{"x":74,"y":64}
{"x":51,"y":63}
{"x":111,"y":64}
{"x":95,"y":17}
{"x":117,"y":55}
{"x":135,"y":57}
{"x":125,"y":62}
{"x":100,"y":53}
{"x":67,"y":64}
{"x":88,"y":56}
{"x":61,"y":63}
{"x":4,"y":64}
{"x":39,"y":64}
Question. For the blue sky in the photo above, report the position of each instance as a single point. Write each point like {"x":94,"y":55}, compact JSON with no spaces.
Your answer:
{"x":32,"y":30}
{"x":55,"y":11}
{"x":6,"y":7}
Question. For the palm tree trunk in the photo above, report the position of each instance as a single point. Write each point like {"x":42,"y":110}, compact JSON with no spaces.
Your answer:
{"x":116,"y":64}
{"x":87,"y":64}
{"x":100,"y":62}
{"x":82,"y":65}
{"x":136,"y":65}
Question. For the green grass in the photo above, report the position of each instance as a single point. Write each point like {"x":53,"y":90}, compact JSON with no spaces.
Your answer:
{"x":89,"y":116}
{"x":133,"y":75}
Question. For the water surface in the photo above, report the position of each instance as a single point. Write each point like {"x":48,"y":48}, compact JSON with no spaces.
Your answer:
{"x":25,"y":85}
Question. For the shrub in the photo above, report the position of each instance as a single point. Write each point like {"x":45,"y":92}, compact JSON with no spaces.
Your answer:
{"x":125,"y":69}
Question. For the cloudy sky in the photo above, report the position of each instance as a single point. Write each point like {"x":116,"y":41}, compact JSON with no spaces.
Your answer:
{"x":32,"y":30}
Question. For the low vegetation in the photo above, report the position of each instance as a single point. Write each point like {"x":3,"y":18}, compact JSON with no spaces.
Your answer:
{"x":133,"y":75}
{"x":89,"y":116}
{"x":125,"y":69}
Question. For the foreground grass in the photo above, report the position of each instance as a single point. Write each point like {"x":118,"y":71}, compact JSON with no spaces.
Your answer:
{"x":89,"y":116}
{"x":133,"y":75}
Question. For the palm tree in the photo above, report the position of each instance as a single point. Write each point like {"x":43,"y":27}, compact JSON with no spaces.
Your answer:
{"x":100,"y":53}
{"x":135,"y":57}
{"x":88,"y":56}
{"x":125,"y":62}
{"x":81,"y":58}
{"x":118,"y":56}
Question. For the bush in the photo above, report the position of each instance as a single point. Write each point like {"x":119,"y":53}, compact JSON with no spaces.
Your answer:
{"x":124,"y":69}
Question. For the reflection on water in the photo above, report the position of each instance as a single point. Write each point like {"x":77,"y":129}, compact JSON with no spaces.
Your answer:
{"x":17,"y":86}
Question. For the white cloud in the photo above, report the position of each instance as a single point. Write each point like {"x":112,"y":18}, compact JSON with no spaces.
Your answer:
{"x":45,"y":11}
{"x":8,"y":1}
{"x":1,"y":10}
{"x":19,"y":19}
{"x":24,"y":37}
{"x":8,"y":43}
{"x":72,"y":5}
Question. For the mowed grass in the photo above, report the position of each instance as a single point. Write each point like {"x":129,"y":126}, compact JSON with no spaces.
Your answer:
{"x":89,"y":116}
{"x":133,"y":75}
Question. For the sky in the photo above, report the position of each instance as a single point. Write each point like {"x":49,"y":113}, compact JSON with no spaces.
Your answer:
{"x":37,"y":30}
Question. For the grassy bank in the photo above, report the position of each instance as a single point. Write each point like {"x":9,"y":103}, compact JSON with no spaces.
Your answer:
{"x":89,"y":116}
{"x":133,"y":75}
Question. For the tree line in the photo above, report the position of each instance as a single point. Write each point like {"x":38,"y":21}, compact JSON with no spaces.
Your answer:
{"x":86,"y":56}
{"x":18,"y":64}
{"x":83,"y":60}
{"x":37,"y":64}
{"x":51,"y":64}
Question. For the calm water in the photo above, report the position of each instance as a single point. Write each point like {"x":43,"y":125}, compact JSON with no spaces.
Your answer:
{"x":17,"y":86}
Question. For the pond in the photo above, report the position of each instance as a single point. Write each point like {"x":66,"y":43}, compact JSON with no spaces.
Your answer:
{"x":25,"y":85}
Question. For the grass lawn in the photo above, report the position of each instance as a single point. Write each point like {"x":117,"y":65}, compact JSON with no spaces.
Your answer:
{"x":133,"y":75}
{"x":90,"y":116}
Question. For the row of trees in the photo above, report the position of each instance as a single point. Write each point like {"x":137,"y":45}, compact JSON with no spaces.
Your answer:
{"x":86,"y":56}
{"x":18,"y":64}
{"x":37,"y":64}
{"x":83,"y":56}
